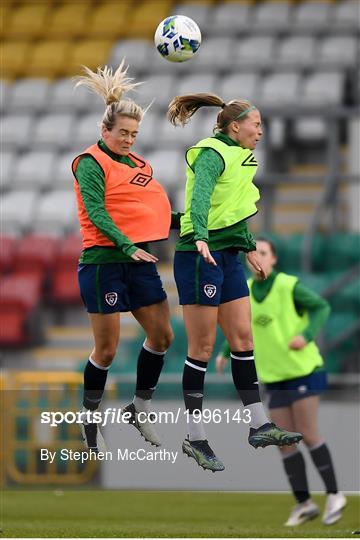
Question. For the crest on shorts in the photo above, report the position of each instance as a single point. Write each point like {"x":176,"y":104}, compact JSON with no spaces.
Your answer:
{"x":111,"y":298}
{"x":210,"y":290}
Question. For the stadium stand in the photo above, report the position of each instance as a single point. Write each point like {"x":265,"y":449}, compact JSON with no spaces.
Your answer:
{"x":279,"y":54}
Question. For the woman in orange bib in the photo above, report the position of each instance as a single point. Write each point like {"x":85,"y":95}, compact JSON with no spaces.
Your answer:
{"x":121,"y":208}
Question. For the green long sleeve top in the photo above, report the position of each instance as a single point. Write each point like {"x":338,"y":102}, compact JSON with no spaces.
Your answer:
{"x":317,"y":308}
{"x":91,"y":180}
{"x":208,"y":166}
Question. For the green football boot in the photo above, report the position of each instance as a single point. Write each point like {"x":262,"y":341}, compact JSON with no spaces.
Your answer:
{"x":271,"y":434}
{"x":203,"y":455}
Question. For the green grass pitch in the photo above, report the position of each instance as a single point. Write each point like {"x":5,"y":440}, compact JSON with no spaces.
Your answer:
{"x":129,"y":514}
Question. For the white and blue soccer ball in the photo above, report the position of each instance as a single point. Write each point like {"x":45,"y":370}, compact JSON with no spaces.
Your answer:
{"x":177,"y":38}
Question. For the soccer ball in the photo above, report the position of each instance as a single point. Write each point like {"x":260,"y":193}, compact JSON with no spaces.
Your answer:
{"x":177,"y":38}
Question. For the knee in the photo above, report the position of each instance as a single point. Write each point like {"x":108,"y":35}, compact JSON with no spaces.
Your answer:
{"x":104,"y":355}
{"x":162,"y":341}
{"x":311,"y":440}
{"x":202,"y":351}
{"x":241,"y":341}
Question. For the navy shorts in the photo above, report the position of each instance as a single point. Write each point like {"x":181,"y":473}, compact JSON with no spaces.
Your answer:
{"x":113,"y":287}
{"x":199,"y":282}
{"x":284,"y":393}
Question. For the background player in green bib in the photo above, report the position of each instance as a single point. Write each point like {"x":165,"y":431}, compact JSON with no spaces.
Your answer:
{"x":219,"y":197}
{"x":286,"y":317}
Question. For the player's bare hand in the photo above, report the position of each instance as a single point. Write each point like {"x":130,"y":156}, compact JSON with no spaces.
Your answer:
{"x":141,"y":255}
{"x":297,"y":343}
{"x":204,"y":251}
{"x":255,"y":264}
{"x":221,"y":363}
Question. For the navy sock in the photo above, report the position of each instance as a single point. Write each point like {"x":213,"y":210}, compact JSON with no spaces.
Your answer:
{"x":322,"y":460}
{"x":193,"y":383}
{"x":295,"y":469}
{"x":149,"y":366}
{"x":245,"y":377}
{"x":94,"y":384}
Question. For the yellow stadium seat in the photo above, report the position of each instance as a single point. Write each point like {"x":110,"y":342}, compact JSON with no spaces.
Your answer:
{"x":13,"y":58}
{"x":91,"y":53}
{"x":28,"y":21}
{"x":208,"y":2}
{"x":146,"y":17}
{"x":109,"y":20}
{"x":48,"y":59}
{"x":69,"y":20}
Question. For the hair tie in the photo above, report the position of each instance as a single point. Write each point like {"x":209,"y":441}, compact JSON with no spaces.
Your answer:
{"x":223,"y":105}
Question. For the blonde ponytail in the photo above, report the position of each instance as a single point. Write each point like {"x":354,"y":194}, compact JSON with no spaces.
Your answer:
{"x":111,"y":86}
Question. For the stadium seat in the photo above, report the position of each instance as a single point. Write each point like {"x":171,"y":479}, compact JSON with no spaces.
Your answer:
{"x":166,"y":167}
{"x":87,"y":131}
{"x":90,"y":53}
{"x":65,"y":98}
{"x":68,"y":21}
{"x":12,"y":325}
{"x":292,"y":253}
{"x":231,"y":18}
{"x":7,"y":251}
{"x":157,"y":89}
{"x":271,"y":16}
{"x":200,"y":13}
{"x":5,"y":93}
{"x":63,"y":177}
{"x":21,"y":288}
{"x":280,"y":89}
{"x":69,"y":252}
{"x":14,"y":58}
{"x":338,"y":52}
{"x":145,"y":17}
{"x":18,"y":211}
{"x":254,"y":52}
{"x":239,"y":85}
{"x":216,"y":54}
{"x":28,"y":21}
{"x":48,"y":58}
{"x":109,"y":20}
{"x":17,"y":130}
{"x":322,"y":88}
{"x":347,"y":298}
{"x":33,"y":170}
{"x":342,"y":250}
{"x":54,"y":131}
{"x":309,"y":16}
{"x":35,"y":253}
{"x":310,"y":129}
{"x":346,"y":15}
{"x":6,"y":169}
{"x":28,"y":95}
{"x":296,"y":52}
{"x":135,"y":52}
{"x":55,"y":213}
{"x":204,"y":82}
{"x":65,"y":288}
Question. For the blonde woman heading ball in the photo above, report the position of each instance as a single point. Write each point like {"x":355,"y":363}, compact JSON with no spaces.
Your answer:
{"x":121,"y":210}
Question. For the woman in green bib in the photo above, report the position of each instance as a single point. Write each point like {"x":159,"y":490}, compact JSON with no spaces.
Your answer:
{"x":286,"y":317}
{"x":219,"y":197}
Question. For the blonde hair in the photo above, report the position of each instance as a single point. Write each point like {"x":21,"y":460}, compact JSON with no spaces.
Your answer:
{"x":111,"y":86}
{"x":182,"y":108}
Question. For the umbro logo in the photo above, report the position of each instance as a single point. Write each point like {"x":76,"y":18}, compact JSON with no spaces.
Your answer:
{"x":249,"y":161}
{"x":263,"y":320}
{"x":141,"y":180}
